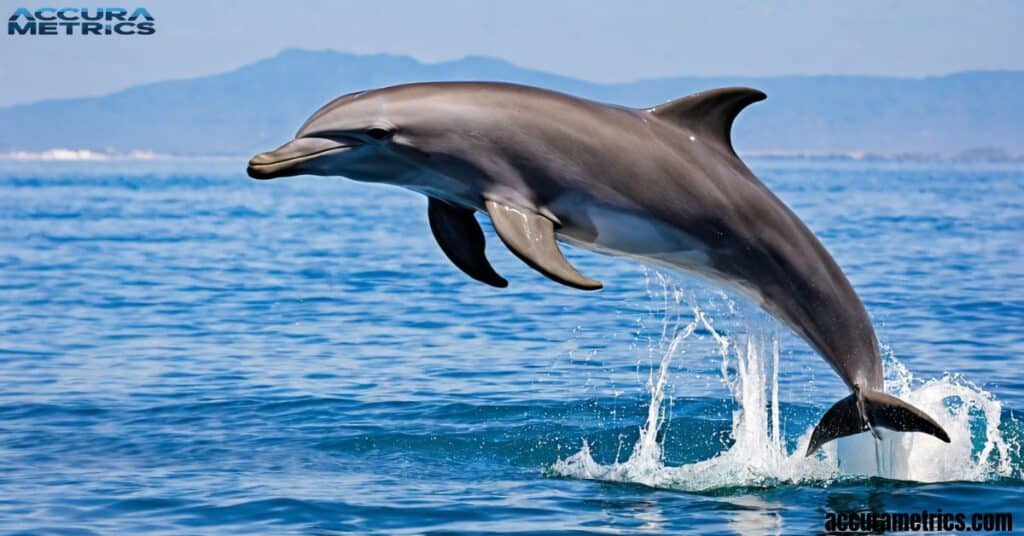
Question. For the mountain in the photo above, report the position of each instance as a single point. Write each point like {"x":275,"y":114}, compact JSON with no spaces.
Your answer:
{"x":261,"y":104}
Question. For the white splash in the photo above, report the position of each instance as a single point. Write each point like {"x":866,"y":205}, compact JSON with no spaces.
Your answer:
{"x":758,"y":456}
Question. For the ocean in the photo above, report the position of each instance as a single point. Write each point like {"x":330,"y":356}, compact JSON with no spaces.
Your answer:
{"x":186,"y":351}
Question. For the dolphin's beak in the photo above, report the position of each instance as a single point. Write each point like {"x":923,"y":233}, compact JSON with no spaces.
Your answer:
{"x":286,"y":160}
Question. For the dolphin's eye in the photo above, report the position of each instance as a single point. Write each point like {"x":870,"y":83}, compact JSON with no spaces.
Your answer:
{"x":378,"y":133}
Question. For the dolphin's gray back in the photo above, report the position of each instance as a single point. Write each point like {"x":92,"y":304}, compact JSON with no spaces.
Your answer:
{"x":689,"y":178}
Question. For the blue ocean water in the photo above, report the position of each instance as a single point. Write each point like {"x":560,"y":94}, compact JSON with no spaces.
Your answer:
{"x":184,"y":350}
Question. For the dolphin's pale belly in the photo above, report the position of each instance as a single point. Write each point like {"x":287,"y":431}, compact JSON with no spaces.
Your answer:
{"x":623,"y":233}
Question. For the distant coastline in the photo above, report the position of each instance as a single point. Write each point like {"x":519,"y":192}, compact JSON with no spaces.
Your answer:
{"x":87,"y":155}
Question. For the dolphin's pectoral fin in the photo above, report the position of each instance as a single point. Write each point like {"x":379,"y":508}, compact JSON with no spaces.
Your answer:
{"x":865,"y":410}
{"x":711,"y":112}
{"x":461,"y":239}
{"x":532,"y":238}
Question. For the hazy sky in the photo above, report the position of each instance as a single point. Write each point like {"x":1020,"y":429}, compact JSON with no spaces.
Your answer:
{"x":596,"y":40}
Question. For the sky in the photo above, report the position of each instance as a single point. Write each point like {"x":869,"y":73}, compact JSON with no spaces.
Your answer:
{"x":592,"y":39}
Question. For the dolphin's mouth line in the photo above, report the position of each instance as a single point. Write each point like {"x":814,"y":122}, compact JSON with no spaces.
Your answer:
{"x":301,"y":156}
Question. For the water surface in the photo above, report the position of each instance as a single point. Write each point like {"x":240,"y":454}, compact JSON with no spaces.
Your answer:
{"x":184,"y":350}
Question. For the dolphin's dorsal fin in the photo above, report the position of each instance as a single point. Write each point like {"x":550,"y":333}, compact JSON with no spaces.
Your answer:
{"x":710,"y":112}
{"x":532,"y":238}
{"x":462,"y":241}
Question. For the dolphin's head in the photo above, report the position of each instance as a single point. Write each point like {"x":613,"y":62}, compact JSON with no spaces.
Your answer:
{"x":364,"y":136}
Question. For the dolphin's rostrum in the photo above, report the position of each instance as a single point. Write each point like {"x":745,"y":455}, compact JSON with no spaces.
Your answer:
{"x":661,"y":185}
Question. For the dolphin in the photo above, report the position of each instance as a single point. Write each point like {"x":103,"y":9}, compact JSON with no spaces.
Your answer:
{"x":661,"y":185}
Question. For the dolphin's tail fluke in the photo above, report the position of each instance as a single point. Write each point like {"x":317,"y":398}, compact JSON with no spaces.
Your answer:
{"x":865,"y":410}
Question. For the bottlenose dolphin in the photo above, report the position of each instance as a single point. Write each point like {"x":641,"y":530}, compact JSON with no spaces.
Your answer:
{"x":662,"y":185}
